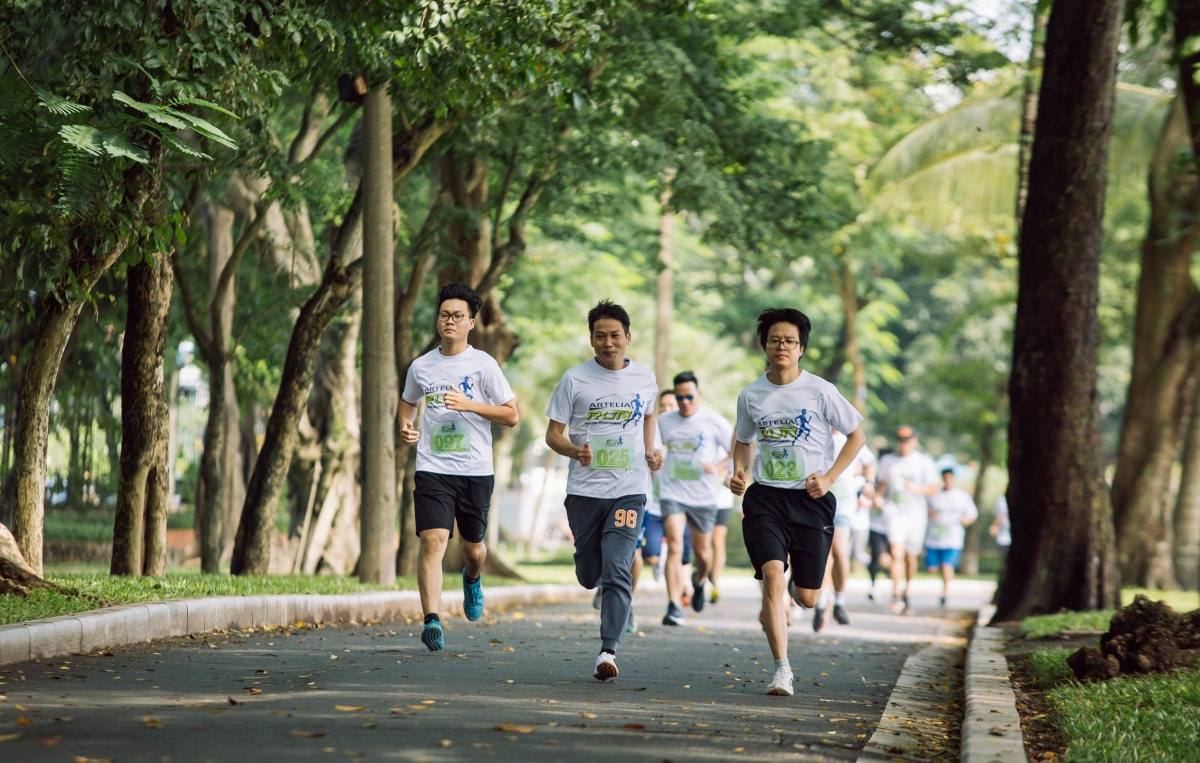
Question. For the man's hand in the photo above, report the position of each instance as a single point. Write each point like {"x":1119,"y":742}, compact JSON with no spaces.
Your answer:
{"x":409,"y":433}
{"x":655,"y":459}
{"x":457,"y":401}
{"x":818,"y":484}
{"x":737,"y":485}
{"x":584,"y":456}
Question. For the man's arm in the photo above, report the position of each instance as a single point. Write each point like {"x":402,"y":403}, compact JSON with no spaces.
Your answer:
{"x":741,"y":467}
{"x":557,"y":441}
{"x":654,"y":457}
{"x":408,"y":432}
{"x":819,"y":484}
{"x":505,"y":415}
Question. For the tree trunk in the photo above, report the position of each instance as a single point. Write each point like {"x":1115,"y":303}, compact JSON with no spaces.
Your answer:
{"x":1063,"y":551}
{"x":410,"y":551}
{"x":143,"y":421}
{"x":17,"y":577}
{"x":848,"y":294}
{"x":665,"y":292}
{"x":1187,"y":508}
{"x":1166,"y":330}
{"x":1029,"y":105}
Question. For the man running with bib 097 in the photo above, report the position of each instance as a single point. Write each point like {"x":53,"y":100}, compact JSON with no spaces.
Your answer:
{"x":788,"y":511}
{"x":464,"y":393}
{"x":607,"y":407}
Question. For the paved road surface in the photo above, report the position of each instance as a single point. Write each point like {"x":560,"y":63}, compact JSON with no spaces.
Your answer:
{"x":372,"y":693}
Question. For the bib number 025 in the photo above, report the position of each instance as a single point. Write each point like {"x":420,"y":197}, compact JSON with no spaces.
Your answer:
{"x":612,"y":452}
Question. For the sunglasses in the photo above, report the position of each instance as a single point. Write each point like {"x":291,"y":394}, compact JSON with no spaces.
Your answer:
{"x":681,"y":398}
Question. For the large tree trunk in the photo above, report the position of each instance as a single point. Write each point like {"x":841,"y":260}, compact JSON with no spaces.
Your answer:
{"x":1063,"y":552}
{"x":1187,"y":508}
{"x":843,"y":278}
{"x":1166,"y":330}
{"x":141,"y":485}
{"x":17,"y":577}
{"x":1029,"y":104}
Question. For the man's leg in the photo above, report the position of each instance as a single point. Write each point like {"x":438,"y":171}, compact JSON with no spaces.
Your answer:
{"x":673,"y":527}
{"x":774,"y":608}
{"x":429,"y":571}
{"x":701,"y":523}
{"x":839,"y":569}
{"x":475,"y":555}
{"x":720,"y":535}
{"x":899,"y":560}
{"x":947,"y":576}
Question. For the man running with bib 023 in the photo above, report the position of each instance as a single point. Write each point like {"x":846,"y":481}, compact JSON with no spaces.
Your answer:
{"x":788,"y":511}
{"x":607,"y":406}
{"x":464,"y":393}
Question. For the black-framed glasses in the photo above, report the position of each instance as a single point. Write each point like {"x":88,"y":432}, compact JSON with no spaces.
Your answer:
{"x":789,"y":343}
{"x":681,"y":398}
{"x":455,"y":317}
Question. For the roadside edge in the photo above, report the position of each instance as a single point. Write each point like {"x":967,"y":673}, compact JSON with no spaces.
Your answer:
{"x":991,"y":728}
{"x":138,"y":623}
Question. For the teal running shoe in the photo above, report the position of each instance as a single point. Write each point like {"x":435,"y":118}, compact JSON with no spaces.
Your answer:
{"x":472,"y":597}
{"x":431,"y":636}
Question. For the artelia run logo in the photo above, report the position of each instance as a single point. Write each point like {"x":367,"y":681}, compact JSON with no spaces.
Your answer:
{"x":435,"y":393}
{"x":785,"y":427}
{"x":618,"y":409}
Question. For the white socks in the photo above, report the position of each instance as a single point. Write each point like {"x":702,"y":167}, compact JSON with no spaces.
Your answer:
{"x":823,"y":602}
{"x":839,"y":598}
{"x":783,"y":664}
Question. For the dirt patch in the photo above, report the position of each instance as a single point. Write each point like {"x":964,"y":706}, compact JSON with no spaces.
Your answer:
{"x":1042,"y":741}
{"x":1145,"y":637}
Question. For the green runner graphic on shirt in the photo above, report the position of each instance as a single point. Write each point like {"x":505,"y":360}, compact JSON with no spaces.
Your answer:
{"x":450,"y":438}
{"x":782,"y":464}
{"x":611,"y":451}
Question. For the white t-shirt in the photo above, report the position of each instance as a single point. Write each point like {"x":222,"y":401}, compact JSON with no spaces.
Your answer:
{"x":846,"y":488}
{"x":1004,"y":533}
{"x":919,"y":470}
{"x":948,"y":509}
{"x":454,"y":442}
{"x":653,"y":507}
{"x":607,"y":409}
{"x":691,"y":442}
{"x":791,"y":424}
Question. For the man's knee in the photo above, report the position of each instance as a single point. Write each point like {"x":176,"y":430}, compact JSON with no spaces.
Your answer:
{"x":434,"y":541}
{"x":807,"y":597}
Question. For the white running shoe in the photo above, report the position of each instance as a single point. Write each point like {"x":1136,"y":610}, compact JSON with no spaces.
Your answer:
{"x":781,"y":685}
{"x":659,"y":568}
{"x":606,"y":668}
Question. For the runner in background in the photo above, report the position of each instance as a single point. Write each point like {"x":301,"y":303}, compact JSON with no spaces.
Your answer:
{"x":725,"y":503}
{"x":837,"y":572}
{"x":877,"y":542}
{"x":909,"y":477}
{"x":649,"y":548}
{"x":951,"y":510}
{"x":1001,"y":530}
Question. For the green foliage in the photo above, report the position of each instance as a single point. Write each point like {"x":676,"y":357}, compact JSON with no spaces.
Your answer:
{"x":1046,"y":625}
{"x":1049,"y":667}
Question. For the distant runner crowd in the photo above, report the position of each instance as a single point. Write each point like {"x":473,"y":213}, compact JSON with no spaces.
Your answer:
{"x":653,"y":468}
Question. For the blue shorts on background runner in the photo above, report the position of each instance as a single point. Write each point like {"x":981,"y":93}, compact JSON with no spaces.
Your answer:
{"x":936,"y":557}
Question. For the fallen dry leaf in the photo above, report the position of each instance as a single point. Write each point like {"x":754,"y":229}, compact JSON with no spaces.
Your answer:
{"x":445,"y":743}
{"x":10,"y":737}
{"x":702,"y":725}
{"x":587,"y":715}
{"x":82,"y":759}
{"x":512,"y":727}
{"x":508,"y":649}
{"x":22,"y":721}
{"x":635,"y":725}
{"x":152,"y":723}
{"x":518,"y":615}
{"x":307,"y":734}
{"x":481,"y":746}
{"x":19,"y":708}
{"x":253,"y":692}
{"x":349,"y":708}
{"x":233,"y":701}
{"x":419,"y":707}
{"x":49,"y":741}
{"x":429,"y":702}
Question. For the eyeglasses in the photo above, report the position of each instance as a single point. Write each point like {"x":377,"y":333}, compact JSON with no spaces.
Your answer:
{"x":682,"y":398}
{"x":455,"y":317}
{"x":790,"y":344}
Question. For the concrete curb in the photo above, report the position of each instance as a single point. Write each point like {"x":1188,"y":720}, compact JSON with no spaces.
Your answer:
{"x":991,"y":729}
{"x":138,"y":623}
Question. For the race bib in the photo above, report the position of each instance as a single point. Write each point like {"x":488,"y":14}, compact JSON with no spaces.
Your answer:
{"x":684,"y":469}
{"x":450,"y":438}
{"x":938,"y":531}
{"x":782,"y":464}
{"x":611,"y":452}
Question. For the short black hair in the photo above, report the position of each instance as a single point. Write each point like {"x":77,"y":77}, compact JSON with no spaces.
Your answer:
{"x":773,"y":315}
{"x":606,"y":308}
{"x":948,"y":470}
{"x":685,"y":377}
{"x":463,"y":292}
{"x":665,"y":392}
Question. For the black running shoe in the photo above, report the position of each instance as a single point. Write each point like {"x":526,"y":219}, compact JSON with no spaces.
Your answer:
{"x":697,"y":594}
{"x":820,"y":620}
{"x":674,"y":615}
{"x":841,"y":615}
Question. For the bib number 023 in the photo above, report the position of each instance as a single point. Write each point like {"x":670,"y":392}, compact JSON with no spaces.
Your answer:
{"x":612,"y":452}
{"x":782,"y":465}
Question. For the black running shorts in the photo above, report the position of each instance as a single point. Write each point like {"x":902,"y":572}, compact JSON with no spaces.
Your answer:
{"x":441,"y":499}
{"x":782,"y":525}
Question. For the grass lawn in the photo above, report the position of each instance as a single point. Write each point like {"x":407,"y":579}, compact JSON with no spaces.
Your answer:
{"x":176,"y":585}
{"x":1125,"y":720}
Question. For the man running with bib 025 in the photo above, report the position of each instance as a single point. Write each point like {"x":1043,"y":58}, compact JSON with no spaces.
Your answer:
{"x":464,"y":393}
{"x":607,"y":406}
{"x":788,"y":511}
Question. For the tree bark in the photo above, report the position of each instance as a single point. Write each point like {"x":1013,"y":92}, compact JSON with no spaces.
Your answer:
{"x":1187,"y":508}
{"x":1166,"y":331}
{"x":141,"y":487}
{"x":1029,"y":104}
{"x":843,"y":278}
{"x":1063,"y":552}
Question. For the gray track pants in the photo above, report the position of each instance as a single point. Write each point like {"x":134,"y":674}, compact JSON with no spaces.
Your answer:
{"x":606,"y":532}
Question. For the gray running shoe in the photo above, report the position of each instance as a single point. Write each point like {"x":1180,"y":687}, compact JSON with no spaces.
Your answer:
{"x":632,"y":624}
{"x":674,"y":615}
{"x":841,"y":615}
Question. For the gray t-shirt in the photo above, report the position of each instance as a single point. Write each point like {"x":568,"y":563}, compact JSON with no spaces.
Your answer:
{"x":691,"y":442}
{"x":454,"y":442}
{"x":607,"y":409}
{"x":792,"y":425}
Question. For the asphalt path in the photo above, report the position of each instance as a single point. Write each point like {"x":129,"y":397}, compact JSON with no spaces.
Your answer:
{"x":514,"y":686}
